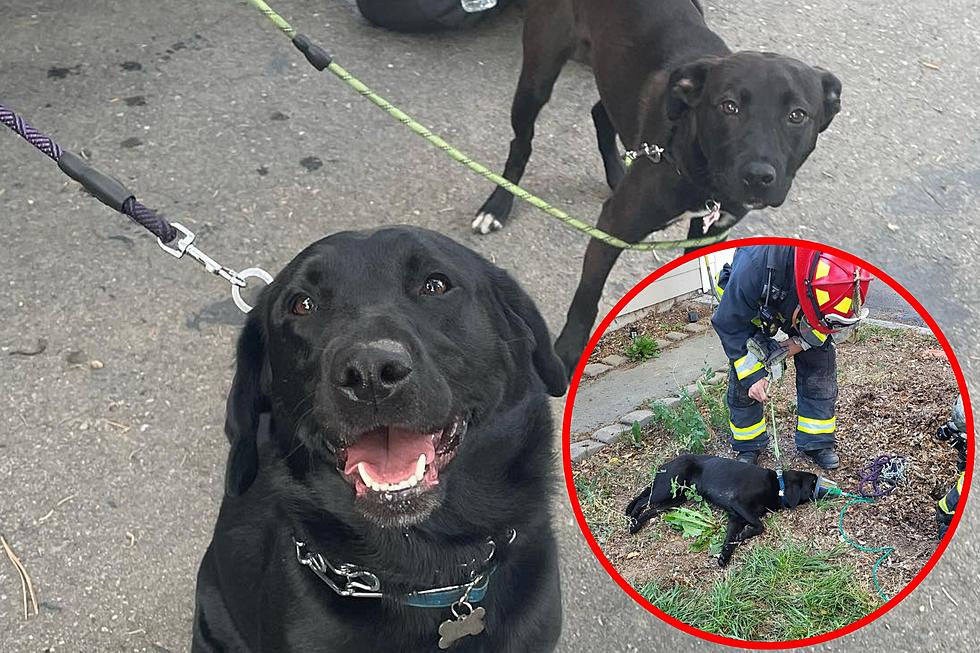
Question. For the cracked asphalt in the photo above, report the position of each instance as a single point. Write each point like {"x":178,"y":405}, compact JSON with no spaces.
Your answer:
{"x":111,"y":472}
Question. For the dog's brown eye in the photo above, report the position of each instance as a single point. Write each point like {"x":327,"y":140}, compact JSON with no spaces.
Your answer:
{"x":436,"y":284}
{"x":302,"y":305}
{"x":728,"y":108}
{"x":796,"y":116}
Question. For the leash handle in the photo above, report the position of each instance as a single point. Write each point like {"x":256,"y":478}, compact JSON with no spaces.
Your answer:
{"x":111,"y":192}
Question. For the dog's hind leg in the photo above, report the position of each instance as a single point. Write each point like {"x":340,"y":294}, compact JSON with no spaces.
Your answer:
{"x":735,"y":526}
{"x":549,"y":41}
{"x":606,"y":136}
{"x":655,"y":499}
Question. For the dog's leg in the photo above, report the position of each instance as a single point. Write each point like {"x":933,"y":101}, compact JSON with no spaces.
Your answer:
{"x":622,"y":216}
{"x":606,"y":136}
{"x":655,"y":499}
{"x":548,"y":43}
{"x":753,"y":525}
{"x":646,"y":514}
{"x":735,"y":526}
{"x":639,"y":500}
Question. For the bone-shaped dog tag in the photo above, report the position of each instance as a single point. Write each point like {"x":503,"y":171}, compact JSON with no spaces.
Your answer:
{"x":452,"y":630}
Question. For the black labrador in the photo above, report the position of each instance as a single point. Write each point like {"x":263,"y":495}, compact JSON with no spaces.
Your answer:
{"x":391,"y":459}
{"x":734,"y":127}
{"x":746,"y":492}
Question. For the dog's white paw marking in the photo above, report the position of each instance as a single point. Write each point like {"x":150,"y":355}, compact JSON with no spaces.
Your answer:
{"x":484,"y":223}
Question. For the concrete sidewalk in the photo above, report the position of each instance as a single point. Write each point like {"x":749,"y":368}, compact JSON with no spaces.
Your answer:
{"x":604,"y":399}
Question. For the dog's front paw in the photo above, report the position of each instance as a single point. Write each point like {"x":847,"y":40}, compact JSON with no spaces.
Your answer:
{"x":484,"y":223}
{"x":723,"y":560}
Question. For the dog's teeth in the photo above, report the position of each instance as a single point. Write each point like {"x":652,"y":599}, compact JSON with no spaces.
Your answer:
{"x":362,"y":472}
{"x":420,"y":468}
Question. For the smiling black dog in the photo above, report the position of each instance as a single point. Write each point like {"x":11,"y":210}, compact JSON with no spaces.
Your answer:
{"x":734,"y":127}
{"x":401,"y":382}
{"x":746,"y":492}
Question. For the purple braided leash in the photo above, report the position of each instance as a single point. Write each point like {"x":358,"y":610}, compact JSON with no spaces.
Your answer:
{"x":882,"y":475}
{"x":91,"y":179}
{"x":29,"y":134}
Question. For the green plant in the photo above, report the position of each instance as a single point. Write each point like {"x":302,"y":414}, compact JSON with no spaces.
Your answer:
{"x":698,"y":523}
{"x":642,"y":348}
{"x":636,"y":435}
{"x":777,"y":594}
{"x":685,"y":422}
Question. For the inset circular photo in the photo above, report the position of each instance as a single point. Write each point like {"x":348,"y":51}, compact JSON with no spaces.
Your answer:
{"x":767,"y":443}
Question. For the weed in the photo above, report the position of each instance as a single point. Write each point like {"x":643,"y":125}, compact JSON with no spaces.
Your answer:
{"x":636,"y":435}
{"x":685,"y":422}
{"x":777,"y":594}
{"x":642,"y":348}
{"x":698,"y":523}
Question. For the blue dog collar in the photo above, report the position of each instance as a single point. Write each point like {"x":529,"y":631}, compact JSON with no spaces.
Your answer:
{"x":782,"y":488}
{"x":446,"y":597}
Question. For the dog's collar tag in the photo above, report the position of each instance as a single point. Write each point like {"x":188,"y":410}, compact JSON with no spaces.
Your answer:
{"x":712,"y":216}
{"x":466,"y":620}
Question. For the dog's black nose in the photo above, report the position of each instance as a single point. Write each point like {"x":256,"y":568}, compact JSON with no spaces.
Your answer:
{"x":759,"y":175}
{"x":373,"y":371}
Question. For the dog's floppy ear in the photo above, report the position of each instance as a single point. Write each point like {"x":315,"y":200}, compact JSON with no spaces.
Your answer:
{"x":685,"y":86}
{"x":799,"y":487}
{"x":831,"y":96}
{"x":524,"y":316}
{"x":246,"y":401}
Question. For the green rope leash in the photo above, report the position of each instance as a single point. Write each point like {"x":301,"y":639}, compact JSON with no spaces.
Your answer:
{"x":480,"y":169}
{"x":885,"y":551}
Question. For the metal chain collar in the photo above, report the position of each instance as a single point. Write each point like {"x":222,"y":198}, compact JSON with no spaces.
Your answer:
{"x":353,"y":581}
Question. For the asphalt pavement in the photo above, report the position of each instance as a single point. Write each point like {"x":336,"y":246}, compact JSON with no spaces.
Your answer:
{"x":111,"y":471}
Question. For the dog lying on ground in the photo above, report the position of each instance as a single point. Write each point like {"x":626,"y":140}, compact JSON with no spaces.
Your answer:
{"x":400,"y":381}
{"x":734,"y":127}
{"x":745,"y":492}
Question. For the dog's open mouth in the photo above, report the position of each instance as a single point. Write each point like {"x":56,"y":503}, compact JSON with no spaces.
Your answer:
{"x":393,"y":463}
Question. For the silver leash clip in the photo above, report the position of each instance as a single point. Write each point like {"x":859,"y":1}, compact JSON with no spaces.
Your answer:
{"x":651,"y":151}
{"x":238,"y":280}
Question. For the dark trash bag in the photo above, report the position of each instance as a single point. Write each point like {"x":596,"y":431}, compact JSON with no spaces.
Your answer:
{"x":421,"y":15}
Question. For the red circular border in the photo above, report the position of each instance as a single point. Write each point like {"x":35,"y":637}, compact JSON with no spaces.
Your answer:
{"x":580,"y":517}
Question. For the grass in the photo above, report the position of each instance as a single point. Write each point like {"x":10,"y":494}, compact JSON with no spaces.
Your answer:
{"x":605,"y":517}
{"x":642,"y":348}
{"x":776,"y":594}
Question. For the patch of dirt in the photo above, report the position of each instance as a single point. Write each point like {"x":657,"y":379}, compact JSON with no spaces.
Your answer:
{"x":654,"y":325}
{"x":893,"y":394}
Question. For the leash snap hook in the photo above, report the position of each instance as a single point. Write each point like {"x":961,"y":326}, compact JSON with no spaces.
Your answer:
{"x":185,"y":245}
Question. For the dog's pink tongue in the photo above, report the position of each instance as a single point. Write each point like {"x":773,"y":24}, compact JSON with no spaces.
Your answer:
{"x":390,"y":455}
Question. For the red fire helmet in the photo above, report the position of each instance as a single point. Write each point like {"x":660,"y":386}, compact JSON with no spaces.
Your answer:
{"x":831,"y":289}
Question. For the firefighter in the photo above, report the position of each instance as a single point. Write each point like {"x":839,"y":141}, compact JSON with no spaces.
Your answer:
{"x":954,"y":432}
{"x":809,"y":296}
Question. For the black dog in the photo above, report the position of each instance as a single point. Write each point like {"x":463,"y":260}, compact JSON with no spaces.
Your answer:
{"x":734,"y":127}
{"x":400,"y":380}
{"x":745,"y":492}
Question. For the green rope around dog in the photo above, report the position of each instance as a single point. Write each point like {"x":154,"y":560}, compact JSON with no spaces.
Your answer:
{"x":885,"y":551}
{"x":482,"y":170}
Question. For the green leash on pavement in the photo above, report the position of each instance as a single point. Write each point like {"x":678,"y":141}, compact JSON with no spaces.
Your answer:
{"x":322,"y":61}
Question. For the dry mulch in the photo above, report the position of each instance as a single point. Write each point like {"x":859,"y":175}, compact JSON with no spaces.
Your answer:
{"x":894,"y":392}
{"x":654,"y":325}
